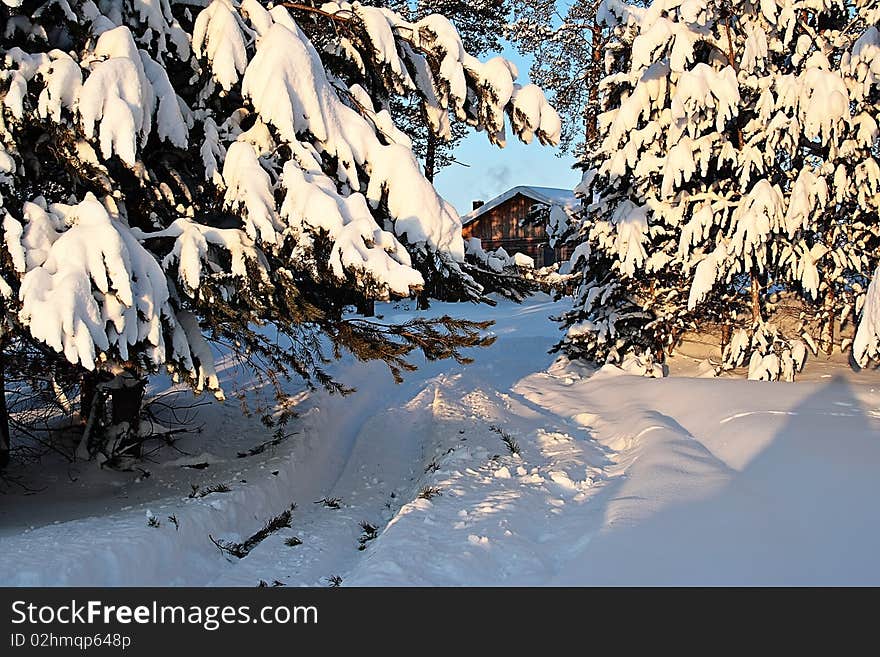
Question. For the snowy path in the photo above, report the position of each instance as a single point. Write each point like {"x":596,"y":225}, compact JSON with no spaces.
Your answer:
{"x":396,"y":439}
{"x":617,"y":480}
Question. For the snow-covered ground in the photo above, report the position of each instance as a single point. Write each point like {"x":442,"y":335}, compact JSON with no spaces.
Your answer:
{"x":618,"y":479}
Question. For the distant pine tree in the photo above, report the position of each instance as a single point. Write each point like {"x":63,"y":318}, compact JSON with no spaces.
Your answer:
{"x":566,"y":43}
{"x":480,"y":25}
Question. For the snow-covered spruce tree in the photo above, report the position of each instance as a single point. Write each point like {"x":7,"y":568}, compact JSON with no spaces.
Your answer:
{"x":733,"y":184}
{"x":177,"y":177}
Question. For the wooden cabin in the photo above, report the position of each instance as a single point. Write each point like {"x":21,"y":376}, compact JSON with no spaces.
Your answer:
{"x":510,"y":221}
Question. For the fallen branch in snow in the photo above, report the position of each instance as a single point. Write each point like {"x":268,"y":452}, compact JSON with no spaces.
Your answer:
{"x":330,"y":502}
{"x":429,"y":492}
{"x":241,"y":550}
{"x":370,"y":532}
{"x":510,"y":441}
{"x":197,"y":492}
{"x":262,"y":447}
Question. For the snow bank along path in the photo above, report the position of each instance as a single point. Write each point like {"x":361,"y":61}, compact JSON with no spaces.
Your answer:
{"x":618,"y":480}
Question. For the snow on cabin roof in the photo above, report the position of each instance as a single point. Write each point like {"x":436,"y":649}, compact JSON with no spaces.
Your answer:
{"x":548,"y":195}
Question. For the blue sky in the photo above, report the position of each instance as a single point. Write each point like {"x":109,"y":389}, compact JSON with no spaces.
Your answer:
{"x":493,"y":170}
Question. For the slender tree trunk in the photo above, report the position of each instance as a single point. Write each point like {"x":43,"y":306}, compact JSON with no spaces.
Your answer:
{"x":128,"y":403}
{"x":740,"y":142}
{"x":366,"y":307}
{"x":4,"y":414}
{"x":422,"y":302}
{"x":88,"y":386}
{"x":431,"y":156}
{"x":591,"y":128}
{"x":732,"y":60}
{"x":757,"y":317}
{"x":828,"y":334}
{"x":89,"y":409}
{"x":726,"y":335}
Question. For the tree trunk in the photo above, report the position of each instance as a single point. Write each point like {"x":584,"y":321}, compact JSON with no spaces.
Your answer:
{"x":366,"y":307}
{"x":111,"y":407}
{"x":828,"y":333}
{"x":89,"y":387}
{"x":726,"y":335}
{"x":127,"y":401}
{"x":431,"y":156}
{"x":4,"y":414}
{"x":591,"y":119}
{"x":757,"y":317}
{"x":423,"y":303}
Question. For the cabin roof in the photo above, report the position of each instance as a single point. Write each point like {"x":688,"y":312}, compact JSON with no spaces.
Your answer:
{"x":547,"y":195}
